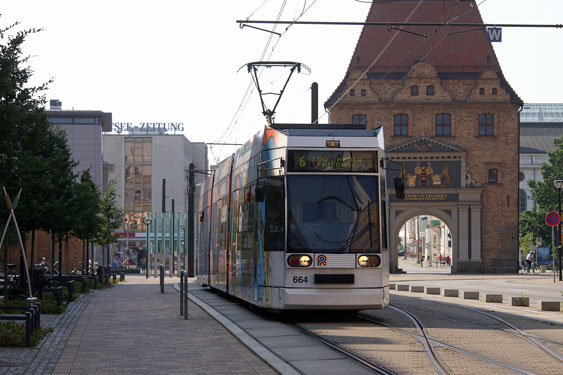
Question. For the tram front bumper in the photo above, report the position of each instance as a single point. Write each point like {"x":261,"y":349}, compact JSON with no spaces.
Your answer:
{"x":334,"y":299}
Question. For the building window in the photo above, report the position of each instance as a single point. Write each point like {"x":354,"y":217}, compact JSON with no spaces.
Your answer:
{"x":363,"y":92}
{"x":481,"y":91}
{"x":401,"y":124}
{"x":414,"y":90}
{"x":352,"y":92}
{"x":430,"y":90}
{"x":493,"y":176}
{"x":486,"y":124}
{"x":359,"y":119}
{"x":443,"y":124}
{"x":523,"y":200}
{"x":494,"y":91}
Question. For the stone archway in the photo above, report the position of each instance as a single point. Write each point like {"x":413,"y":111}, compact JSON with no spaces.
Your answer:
{"x":444,"y":215}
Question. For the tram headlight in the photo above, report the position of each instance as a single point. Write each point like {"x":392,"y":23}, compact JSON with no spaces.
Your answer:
{"x":369,"y":260}
{"x":299,"y":260}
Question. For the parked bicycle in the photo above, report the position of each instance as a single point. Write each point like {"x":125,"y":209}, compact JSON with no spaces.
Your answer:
{"x":46,"y":286}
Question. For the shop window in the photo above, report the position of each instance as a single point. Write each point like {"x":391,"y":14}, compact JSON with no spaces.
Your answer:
{"x":486,"y":124}
{"x":443,"y":124}
{"x":400,"y":125}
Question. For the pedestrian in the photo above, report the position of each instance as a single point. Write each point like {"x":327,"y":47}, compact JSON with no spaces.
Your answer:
{"x":529,"y":260}
{"x":448,"y":260}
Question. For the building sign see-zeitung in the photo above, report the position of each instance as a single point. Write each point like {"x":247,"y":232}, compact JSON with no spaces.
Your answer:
{"x":148,"y":127}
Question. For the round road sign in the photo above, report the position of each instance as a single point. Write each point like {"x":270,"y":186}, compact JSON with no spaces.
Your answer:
{"x":552,"y":218}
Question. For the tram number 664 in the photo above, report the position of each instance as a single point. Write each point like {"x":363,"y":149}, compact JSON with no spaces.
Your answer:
{"x":299,"y":279}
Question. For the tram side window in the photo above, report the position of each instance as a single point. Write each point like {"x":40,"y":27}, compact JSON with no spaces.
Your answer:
{"x":275,"y":218}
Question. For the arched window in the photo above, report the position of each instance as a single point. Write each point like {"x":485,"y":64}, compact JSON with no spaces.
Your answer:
{"x":486,"y":124}
{"x":430,"y":90}
{"x":443,"y":124}
{"x":414,"y":90}
{"x":352,"y":92}
{"x":359,"y":119}
{"x":401,"y":124}
{"x":523,"y":200}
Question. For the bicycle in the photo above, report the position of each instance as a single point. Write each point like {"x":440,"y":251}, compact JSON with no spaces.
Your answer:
{"x":48,"y":285}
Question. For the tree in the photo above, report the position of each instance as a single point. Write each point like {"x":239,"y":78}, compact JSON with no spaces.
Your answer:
{"x":545,"y":195}
{"x":85,"y":205}
{"x":111,"y":218}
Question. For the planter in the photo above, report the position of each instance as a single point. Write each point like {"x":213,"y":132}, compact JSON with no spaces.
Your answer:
{"x":521,"y":301}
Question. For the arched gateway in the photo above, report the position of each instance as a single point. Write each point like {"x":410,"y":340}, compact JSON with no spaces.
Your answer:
{"x":437,"y":183}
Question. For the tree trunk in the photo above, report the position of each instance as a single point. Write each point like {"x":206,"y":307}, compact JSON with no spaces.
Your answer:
{"x":103,"y":259}
{"x":52,"y":248}
{"x":60,"y":254}
{"x":5,"y":250}
{"x":32,"y":256}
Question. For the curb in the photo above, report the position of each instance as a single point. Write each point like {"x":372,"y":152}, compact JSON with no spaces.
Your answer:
{"x":260,"y":350}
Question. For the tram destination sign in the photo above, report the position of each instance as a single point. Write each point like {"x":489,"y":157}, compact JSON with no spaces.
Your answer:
{"x":332,"y":161}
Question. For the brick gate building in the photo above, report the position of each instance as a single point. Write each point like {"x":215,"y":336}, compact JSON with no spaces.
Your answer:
{"x":449,"y":117}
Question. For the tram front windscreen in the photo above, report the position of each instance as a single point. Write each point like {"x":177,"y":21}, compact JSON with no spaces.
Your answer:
{"x":333,"y":213}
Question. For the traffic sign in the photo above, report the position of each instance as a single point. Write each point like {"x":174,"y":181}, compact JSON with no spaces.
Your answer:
{"x":552,"y":218}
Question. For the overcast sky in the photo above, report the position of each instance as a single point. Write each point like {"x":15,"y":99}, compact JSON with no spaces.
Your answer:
{"x":179,"y":60}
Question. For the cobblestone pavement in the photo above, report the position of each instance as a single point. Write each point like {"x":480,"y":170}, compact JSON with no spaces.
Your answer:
{"x":132,"y":328}
{"x":43,"y":358}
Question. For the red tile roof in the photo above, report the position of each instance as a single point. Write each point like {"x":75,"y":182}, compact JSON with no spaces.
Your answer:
{"x":459,"y":55}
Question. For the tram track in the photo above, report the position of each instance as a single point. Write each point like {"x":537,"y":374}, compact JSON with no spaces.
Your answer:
{"x":433,"y":347}
{"x":433,"y":343}
{"x":369,"y":364}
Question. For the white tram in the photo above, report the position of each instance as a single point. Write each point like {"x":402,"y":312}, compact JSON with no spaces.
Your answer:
{"x":296,"y":220}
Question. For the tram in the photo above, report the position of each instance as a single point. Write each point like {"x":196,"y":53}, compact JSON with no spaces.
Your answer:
{"x":295,"y":220}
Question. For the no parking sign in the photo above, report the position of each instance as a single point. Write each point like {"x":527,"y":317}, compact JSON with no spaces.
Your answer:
{"x":552,"y":218}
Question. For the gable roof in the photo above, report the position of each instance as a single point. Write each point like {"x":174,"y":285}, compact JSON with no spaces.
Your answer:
{"x":462,"y":55}
{"x":424,"y":144}
{"x":537,"y":137}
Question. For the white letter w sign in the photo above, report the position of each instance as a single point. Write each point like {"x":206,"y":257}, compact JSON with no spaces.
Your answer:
{"x":494,"y":34}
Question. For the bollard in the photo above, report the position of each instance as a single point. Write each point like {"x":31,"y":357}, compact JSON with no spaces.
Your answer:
{"x":181,"y":293}
{"x":161,"y":278}
{"x":185,"y":295}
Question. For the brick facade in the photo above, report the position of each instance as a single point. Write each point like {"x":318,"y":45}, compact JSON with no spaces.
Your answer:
{"x":72,"y":254}
{"x":462,"y":91}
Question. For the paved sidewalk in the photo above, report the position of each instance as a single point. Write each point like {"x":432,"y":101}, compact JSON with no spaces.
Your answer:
{"x":132,"y":328}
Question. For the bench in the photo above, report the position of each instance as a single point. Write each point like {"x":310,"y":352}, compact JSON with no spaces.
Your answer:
{"x":31,"y":315}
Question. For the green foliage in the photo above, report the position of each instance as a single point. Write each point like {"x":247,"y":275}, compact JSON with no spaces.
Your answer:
{"x":111,"y":216}
{"x":85,"y":203}
{"x":12,"y":334}
{"x":525,"y":242}
{"x":544,"y":192}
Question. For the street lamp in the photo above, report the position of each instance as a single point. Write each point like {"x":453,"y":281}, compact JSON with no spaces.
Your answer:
{"x":558,"y":185}
{"x":147,"y":221}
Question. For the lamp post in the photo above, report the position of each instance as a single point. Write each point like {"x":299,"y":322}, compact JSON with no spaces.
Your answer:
{"x":558,"y":185}
{"x":147,"y":220}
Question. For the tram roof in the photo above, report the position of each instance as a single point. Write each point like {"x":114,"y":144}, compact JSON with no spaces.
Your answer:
{"x":338,"y":130}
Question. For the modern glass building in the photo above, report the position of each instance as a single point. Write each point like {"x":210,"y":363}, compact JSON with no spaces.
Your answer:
{"x":150,"y":172}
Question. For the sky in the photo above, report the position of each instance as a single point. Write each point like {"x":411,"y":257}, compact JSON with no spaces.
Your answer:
{"x":180,"y":61}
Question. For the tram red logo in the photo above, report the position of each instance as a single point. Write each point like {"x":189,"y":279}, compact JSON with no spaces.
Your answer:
{"x":321,"y":260}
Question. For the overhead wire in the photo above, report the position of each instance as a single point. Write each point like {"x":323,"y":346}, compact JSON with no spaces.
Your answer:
{"x":251,"y":87}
